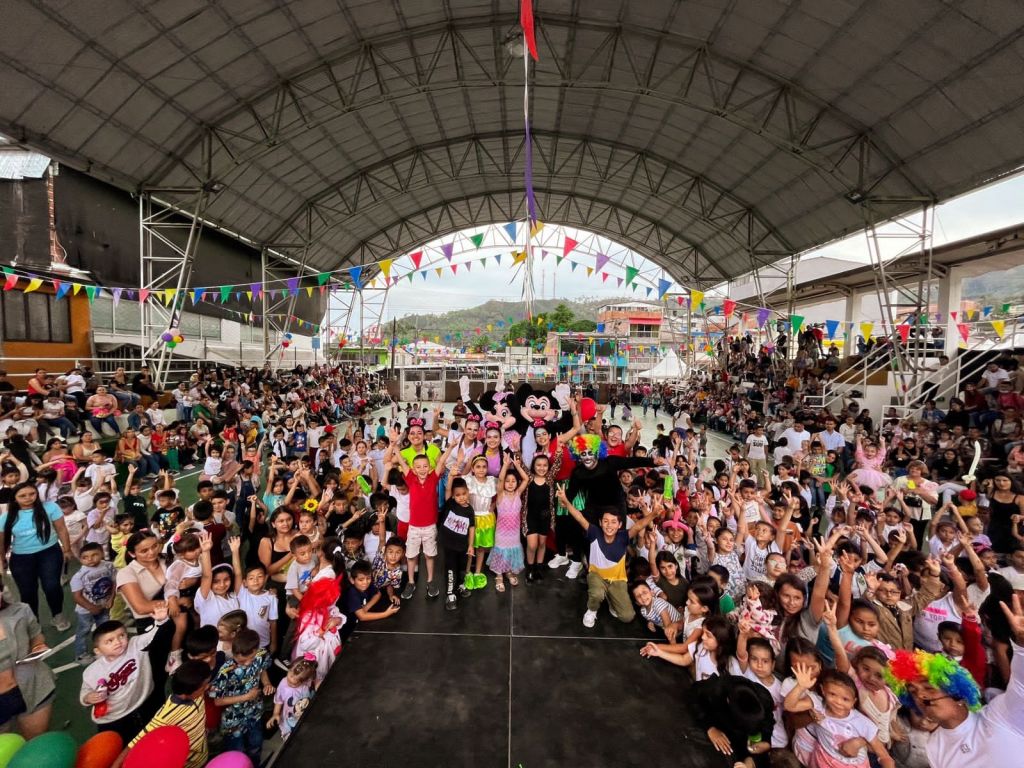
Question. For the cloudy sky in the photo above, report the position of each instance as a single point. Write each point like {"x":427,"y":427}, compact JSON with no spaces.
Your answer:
{"x":988,"y":208}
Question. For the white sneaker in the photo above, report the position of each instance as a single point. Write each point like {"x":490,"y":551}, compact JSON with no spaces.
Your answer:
{"x":558,"y":561}
{"x":574,"y":570}
{"x":589,"y":619}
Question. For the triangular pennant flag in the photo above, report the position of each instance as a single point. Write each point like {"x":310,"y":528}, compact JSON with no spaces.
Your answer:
{"x":796,"y":322}
{"x":535,"y":228}
{"x":455,"y":268}
{"x":971,"y":314}
{"x":574,"y":265}
{"x":416,"y":258}
{"x":903,"y":329}
{"x":199,"y":294}
{"x":511,"y":229}
{"x":438,"y":270}
{"x":248,"y":295}
{"x":11,"y":282}
{"x":385,"y":267}
{"x":569,"y":246}
{"x":468,"y":265}
{"x":999,"y":326}
{"x":1004,"y":308}
{"x":696,"y":299}
{"x":143,"y":294}
{"x":631,"y":273}
{"x":293,"y":286}
{"x":225,"y":293}
{"x":62,"y":289}
{"x":309,"y":291}
{"x":866,"y":328}
{"x":590,"y":271}
{"x":986,"y":311}
{"x":679,"y":300}
{"x":448,"y":249}
{"x":477,"y":240}
{"x":831,"y":326}
{"x":518,"y":256}
{"x":728,"y":307}
{"x":601,"y":260}
{"x":953,"y":315}
{"x":618,"y":281}
{"x":356,"y":276}
{"x":423,"y":274}
{"x":663,"y":286}
{"x":648,"y":289}
{"x":169,"y":295}
{"x":497,"y":258}
{"x":322,"y":278}
{"x":33,"y":284}
{"x":604,"y":277}
{"x":91,"y":291}
{"x":965,"y":330}
{"x":75,"y":288}
{"x":117,"y":295}
{"x":483,"y":262}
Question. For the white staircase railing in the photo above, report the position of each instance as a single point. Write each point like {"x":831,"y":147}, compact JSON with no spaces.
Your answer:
{"x":857,"y":375}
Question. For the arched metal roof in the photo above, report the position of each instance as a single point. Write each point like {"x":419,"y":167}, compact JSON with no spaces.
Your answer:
{"x":708,"y":135}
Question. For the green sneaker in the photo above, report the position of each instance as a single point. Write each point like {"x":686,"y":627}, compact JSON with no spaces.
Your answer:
{"x":469,"y":582}
{"x":480,"y":580}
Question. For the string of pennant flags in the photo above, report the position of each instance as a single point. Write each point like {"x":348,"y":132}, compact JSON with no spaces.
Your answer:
{"x":423,"y":262}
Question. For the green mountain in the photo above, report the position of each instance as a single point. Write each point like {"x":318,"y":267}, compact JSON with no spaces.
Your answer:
{"x":467,"y":320}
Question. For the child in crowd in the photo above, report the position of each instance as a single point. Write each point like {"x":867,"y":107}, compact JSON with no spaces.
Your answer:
{"x":457,"y":536}
{"x":185,"y":709}
{"x":506,"y":558}
{"x":293,"y":696}
{"x":92,"y":587}
{"x":713,"y":654}
{"x":239,"y":687}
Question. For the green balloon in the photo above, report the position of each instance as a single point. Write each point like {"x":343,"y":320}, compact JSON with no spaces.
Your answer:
{"x":55,"y":749}
{"x":10,"y":743}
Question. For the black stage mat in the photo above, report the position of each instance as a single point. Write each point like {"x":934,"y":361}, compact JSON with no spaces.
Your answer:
{"x":509,"y":680}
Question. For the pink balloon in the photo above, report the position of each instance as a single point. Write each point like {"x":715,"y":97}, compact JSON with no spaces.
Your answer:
{"x":230,"y":760}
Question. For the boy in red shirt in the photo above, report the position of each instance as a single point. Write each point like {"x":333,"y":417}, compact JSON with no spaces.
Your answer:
{"x":423,"y":483}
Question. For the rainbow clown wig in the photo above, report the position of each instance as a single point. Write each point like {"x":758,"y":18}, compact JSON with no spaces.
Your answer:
{"x":592,"y":443}
{"x":935,"y":669}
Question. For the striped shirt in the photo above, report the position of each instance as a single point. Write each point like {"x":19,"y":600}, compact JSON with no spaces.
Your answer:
{"x":190,"y":716}
{"x":608,"y":559}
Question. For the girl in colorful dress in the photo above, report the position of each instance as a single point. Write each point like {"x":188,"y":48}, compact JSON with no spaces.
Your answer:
{"x":507,"y":555}
{"x":869,"y":465}
{"x":482,"y":490}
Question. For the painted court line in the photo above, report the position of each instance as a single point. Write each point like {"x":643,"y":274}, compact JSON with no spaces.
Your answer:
{"x":369,"y":632}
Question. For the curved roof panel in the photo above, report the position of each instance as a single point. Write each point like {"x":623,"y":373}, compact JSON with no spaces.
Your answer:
{"x":709,"y":136}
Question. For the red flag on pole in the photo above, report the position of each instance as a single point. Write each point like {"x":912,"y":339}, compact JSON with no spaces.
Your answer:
{"x":526,"y":22}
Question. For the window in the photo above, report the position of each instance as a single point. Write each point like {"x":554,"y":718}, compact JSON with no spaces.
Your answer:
{"x":644,"y":330}
{"x":35,"y":317}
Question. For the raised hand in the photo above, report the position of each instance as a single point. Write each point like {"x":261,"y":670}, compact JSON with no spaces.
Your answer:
{"x":205,"y":541}
{"x":1015,"y":617}
{"x":805,"y":676}
{"x":828,"y":614}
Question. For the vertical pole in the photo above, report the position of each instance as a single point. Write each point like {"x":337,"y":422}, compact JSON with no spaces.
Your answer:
{"x":361,"y":329}
{"x":143,"y":343}
{"x":263,"y":297}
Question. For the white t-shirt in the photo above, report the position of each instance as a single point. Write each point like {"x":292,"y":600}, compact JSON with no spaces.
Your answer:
{"x":780,"y":453}
{"x":1012,"y":575}
{"x":402,"y":507}
{"x":300,"y":575}
{"x":704,"y":666}
{"x":795,"y":440}
{"x":992,"y":378}
{"x":260,"y":610}
{"x":757,"y":447}
{"x":832,"y":731}
{"x":99,"y":535}
{"x":682,"y":420}
{"x":988,"y":737}
{"x":926,"y":623}
{"x":212,"y":607}
{"x":100,"y":473}
{"x":754,"y":559}
{"x":779,"y":738}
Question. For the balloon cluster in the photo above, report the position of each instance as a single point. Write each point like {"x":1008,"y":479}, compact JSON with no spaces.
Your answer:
{"x":172,"y":337}
{"x":287,"y":341}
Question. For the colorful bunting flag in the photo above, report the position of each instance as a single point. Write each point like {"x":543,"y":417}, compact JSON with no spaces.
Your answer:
{"x":728,"y":307}
{"x":796,"y":322}
{"x":865,"y":329}
{"x":903,"y":329}
{"x":831,"y":326}
{"x":385,"y":267}
{"x":965,"y":330}
{"x":631,"y":273}
{"x":356,"y":275}
{"x":663,"y":286}
{"x":568,"y":247}
{"x":601,"y":260}
{"x":999,"y":326}
{"x":448,"y":249}
{"x":510,"y":228}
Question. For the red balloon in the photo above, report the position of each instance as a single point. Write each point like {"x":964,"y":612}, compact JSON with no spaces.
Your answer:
{"x":163,"y":747}
{"x":100,"y":751}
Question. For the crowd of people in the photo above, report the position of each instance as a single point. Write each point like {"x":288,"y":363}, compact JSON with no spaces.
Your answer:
{"x":845,"y":591}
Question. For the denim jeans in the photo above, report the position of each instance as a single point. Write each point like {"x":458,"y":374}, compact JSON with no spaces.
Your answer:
{"x":63,"y":424}
{"x":83,"y":632}
{"x":249,"y":741}
{"x":97,"y":424}
{"x":40,"y":568}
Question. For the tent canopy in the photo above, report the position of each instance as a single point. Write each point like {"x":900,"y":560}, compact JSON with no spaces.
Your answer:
{"x":669,"y":368}
{"x":709,"y":136}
